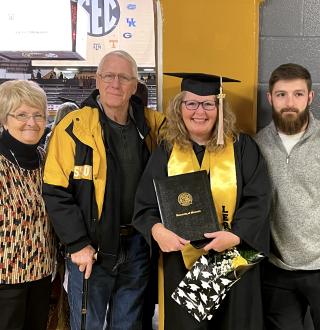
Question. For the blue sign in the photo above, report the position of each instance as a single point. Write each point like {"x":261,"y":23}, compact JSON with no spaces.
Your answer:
{"x":131,"y":6}
{"x":131,"y":22}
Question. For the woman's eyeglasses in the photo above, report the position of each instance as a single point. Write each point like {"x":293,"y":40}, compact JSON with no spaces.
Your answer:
{"x":194,"y":105}
{"x":25,"y":117}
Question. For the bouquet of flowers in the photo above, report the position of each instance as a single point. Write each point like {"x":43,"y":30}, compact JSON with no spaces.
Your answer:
{"x":211,"y":277}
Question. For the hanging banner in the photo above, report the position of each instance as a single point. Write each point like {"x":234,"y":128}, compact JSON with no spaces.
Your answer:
{"x":111,"y":25}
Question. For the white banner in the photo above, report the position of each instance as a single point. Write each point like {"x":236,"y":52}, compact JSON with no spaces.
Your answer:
{"x":111,"y":25}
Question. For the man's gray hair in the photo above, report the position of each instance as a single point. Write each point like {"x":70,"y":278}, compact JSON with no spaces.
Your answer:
{"x":123,"y":54}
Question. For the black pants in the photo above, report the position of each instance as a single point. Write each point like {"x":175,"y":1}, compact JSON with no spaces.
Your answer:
{"x":151,"y":296}
{"x":287,"y":295}
{"x":25,"y":306}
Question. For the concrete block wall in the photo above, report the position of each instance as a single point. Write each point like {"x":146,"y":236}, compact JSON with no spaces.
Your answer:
{"x":289,"y":32}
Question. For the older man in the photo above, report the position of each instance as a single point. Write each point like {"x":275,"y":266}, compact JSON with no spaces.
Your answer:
{"x":95,"y":158}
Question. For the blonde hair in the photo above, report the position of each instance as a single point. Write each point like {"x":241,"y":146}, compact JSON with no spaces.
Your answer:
{"x":126,"y":56}
{"x":14,"y":93}
{"x":175,"y":130}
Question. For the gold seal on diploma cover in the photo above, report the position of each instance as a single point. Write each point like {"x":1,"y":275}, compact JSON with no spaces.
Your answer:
{"x":185,"y":199}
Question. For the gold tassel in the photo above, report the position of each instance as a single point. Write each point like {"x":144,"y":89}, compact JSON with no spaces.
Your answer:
{"x":221,"y":96}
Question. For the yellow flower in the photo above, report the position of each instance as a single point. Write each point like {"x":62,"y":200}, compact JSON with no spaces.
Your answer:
{"x":238,"y":261}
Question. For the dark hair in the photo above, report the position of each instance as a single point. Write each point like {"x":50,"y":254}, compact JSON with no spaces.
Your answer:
{"x":290,"y":71}
{"x":142,"y":92}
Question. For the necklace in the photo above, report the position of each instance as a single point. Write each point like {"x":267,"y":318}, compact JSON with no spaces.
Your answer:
{"x":14,"y":157}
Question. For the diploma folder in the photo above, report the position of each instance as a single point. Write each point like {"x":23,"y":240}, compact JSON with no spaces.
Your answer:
{"x":186,"y":205}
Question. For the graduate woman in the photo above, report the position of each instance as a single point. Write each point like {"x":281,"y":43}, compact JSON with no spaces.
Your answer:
{"x":200,"y":135}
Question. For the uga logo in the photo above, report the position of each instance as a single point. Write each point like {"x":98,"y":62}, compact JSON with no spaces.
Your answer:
{"x":103,"y":16}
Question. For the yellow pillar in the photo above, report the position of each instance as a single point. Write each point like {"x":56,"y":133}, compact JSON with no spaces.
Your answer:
{"x":219,"y":37}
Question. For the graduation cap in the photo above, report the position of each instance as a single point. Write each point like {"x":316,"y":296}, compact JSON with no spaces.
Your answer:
{"x":200,"y":83}
{"x":205,"y":84}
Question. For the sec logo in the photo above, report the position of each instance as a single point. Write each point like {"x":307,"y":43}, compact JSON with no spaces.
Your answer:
{"x":103,"y":16}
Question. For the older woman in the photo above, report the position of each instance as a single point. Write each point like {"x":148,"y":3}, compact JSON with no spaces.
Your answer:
{"x":199,"y":137}
{"x":26,"y":237}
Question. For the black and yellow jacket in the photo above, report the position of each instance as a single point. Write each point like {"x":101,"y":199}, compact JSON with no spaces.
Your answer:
{"x":82,"y":180}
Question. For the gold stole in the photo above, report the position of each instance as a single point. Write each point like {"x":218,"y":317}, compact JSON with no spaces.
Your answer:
{"x":223,"y":181}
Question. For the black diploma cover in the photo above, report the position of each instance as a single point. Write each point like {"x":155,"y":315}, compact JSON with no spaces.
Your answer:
{"x":186,"y":205}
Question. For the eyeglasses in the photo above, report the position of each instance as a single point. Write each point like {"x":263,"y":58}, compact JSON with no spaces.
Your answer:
{"x":194,"y":105}
{"x":25,"y":117}
{"x":122,"y":78}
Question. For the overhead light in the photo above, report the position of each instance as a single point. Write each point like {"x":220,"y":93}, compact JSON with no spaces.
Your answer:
{"x":71,"y":69}
{"x":148,"y":70}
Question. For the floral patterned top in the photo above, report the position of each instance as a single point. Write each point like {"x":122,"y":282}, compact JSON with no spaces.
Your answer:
{"x":26,"y":236}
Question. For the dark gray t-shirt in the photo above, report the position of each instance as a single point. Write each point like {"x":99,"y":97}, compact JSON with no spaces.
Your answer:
{"x":128,"y":154}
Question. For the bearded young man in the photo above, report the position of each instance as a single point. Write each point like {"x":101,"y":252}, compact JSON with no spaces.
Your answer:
{"x":291,"y":147}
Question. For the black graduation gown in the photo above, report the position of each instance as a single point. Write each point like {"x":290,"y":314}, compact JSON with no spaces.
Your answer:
{"x":242,"y":308}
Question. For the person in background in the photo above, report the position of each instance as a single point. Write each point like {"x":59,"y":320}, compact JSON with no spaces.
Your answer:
{"x":62,"y":111}
{"x":197,"y":137}
{"x":59,"y":312}
{"x":39,"y":75}
{"x":52,"y":74}
{"x":151,"y":295}
{"x":142,"y":92}
{"x":290,"y":145}
{"x":26,"y":237}
{"x":46,"y":132}
{"x":95,"y":158}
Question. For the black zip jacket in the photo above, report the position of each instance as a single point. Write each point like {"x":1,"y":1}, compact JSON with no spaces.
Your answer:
{"x":82,"y":180}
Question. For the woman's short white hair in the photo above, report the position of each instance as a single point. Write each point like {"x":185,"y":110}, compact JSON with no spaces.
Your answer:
{"x":14,"y":93}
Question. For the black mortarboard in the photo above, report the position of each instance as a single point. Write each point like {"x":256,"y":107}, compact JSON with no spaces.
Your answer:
{"x":205,"y":84}
{"x":200,"y":83}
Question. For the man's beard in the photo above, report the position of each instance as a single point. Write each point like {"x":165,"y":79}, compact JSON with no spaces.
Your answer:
{"x":290,"y":123}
